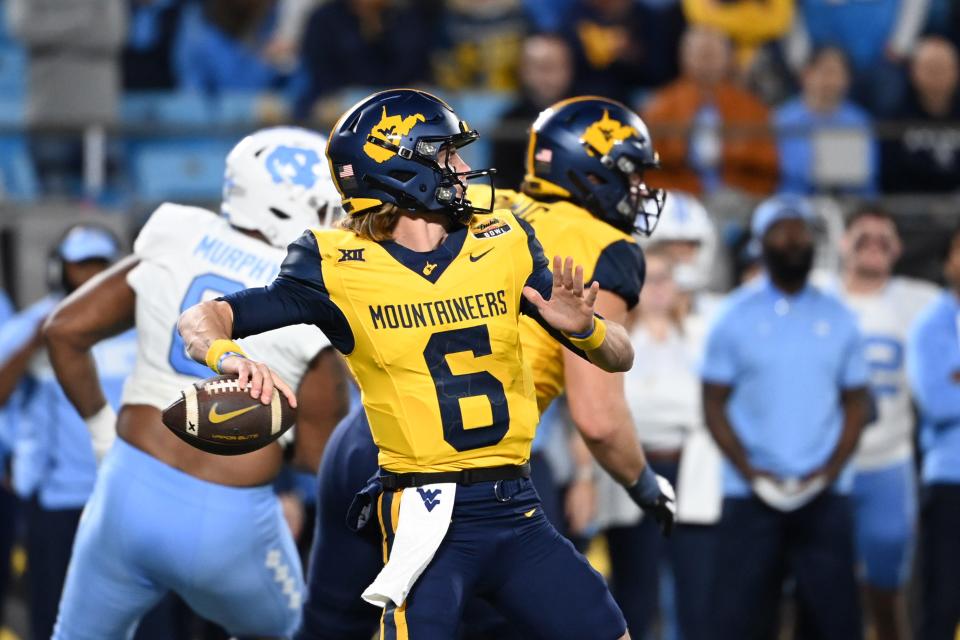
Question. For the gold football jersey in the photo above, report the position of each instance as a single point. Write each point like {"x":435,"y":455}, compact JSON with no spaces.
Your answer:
{"x":436,"y":342}
{"x":608,"y":255}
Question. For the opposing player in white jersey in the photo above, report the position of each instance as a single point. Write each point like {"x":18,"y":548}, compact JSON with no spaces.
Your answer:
{"x":884,"y":492}
{"x":689,"y":238}
{"x":165,"y":516}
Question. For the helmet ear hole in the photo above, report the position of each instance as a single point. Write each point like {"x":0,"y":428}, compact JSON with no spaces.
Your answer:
{"x":402,"y":176}
{"x":595,"y":178}
{"x":280,"y":214}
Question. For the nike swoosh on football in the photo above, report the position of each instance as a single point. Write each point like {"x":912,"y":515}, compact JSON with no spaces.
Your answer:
{"x":474,"y":258}
{"x":217,"y":418}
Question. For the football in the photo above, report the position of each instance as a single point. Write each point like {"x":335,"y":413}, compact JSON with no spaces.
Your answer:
{"x":217,"y":416}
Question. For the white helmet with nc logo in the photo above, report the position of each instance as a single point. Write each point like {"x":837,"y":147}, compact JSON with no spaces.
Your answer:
{"x":277,"y":182}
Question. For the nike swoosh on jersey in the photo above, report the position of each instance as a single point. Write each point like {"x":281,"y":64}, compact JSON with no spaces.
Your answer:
{"x":529,"y":514}
{"x":217,"y":418}
{"x":474,"y":258}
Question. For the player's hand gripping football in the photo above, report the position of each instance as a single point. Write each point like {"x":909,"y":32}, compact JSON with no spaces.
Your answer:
{"x":258,"y":377}
{"x":570,"y":307}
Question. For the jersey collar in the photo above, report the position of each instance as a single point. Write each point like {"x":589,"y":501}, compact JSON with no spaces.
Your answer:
{"x":429,"y":265}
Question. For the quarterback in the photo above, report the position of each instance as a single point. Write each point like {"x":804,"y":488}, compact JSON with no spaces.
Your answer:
{"x":165,"y":516}
{"x":422,"y":292}
{"x":585,"y":206}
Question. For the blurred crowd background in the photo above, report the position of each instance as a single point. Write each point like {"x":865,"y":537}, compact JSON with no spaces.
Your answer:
{"x":118,"y":105}
{"x":109,"y":107}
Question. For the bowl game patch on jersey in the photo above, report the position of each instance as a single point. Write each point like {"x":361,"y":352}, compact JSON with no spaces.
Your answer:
{"x":489,"y":228}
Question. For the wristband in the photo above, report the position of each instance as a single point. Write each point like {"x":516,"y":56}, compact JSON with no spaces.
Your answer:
{"x":103,"y":431}
{"x":219,"y":368}
{"x":220,"y":348}
{"x":591,"y":340}
{"x":647,"y":489}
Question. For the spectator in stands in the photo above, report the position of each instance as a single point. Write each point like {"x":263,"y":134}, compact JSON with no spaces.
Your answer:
{"x":148,"y":54}
{"x":785,"y":397}
{"x":480,"y":42}
{"x":933,"y":365}
{"x":925,"y":155}
{"x":623,"y":45}
{"x":283,"y":49}
{"x":821,"y":121}
{"x":877,"y":37}
{"x":548,"y":16}
{"x":546,"y":74}
{"x":221,"y":47}
{"x":663,"y":390}
{"x":363,"y":43}
{"x":748,"y":23}
{"x":884,"y":488}
{"x":72,"y":49}
{"x":710,"y":133}
{"x":73,"y":78}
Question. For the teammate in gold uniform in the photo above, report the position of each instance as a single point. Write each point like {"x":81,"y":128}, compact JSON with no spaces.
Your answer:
{"x":584,"y":196}
{"x":423,"y":294}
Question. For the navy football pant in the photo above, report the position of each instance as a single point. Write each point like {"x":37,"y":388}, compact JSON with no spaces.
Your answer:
{"x":500,"y":546}
{"x":940,"y":562}
{"x":757,"y":547}
{"x":343,"y":563}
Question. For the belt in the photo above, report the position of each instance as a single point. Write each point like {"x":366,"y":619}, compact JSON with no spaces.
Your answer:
{"x":393,"y":481}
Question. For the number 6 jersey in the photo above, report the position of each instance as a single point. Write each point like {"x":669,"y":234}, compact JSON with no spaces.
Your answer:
{"x":187,"y":255}
{"x":432,"y":338}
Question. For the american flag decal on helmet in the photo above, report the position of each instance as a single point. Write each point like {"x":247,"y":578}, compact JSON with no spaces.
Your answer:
{"x":348,"y":181}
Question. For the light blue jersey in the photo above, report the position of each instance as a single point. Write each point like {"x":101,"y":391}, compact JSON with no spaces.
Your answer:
{"x":53,"y":458}
{"x":933,"y":367}
{"x":787,"y":357}
{"x":226,"y":551}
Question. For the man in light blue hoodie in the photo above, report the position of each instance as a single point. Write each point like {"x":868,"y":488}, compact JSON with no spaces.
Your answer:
{"x":933,"y":365}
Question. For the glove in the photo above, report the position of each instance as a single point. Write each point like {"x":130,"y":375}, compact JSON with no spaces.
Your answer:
{"x":654,"y":494}
{"x":361,"y":510}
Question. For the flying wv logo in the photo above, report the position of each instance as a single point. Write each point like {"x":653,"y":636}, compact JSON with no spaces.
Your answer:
{"x":430,"y":499}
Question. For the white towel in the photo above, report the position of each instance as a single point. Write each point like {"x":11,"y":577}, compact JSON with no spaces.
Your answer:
{"x":790,"y":494}
{"x":700,"y":480}
{"x":422,"y":523}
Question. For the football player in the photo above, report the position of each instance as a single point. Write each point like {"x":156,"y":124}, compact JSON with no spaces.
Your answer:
{"x":422,"y":292}
{"x":165,"y":516}
{"x":580,"y":205}
{"x":884,"y":489}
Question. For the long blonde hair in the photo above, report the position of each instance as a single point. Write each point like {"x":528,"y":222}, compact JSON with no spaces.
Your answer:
{"x":379,"y":224}
{"x":376,"y":224}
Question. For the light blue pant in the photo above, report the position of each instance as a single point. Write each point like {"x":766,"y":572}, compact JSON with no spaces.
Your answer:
{"x":149,"y":528}
{"x":885,"y":514}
